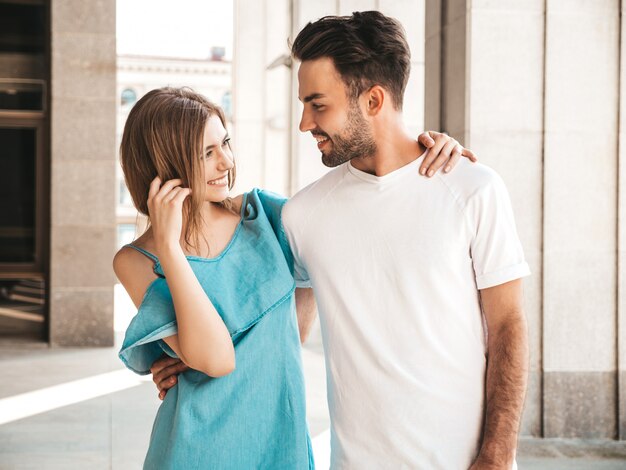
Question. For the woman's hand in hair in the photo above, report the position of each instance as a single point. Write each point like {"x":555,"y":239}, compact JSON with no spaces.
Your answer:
{"x":165,"y":205}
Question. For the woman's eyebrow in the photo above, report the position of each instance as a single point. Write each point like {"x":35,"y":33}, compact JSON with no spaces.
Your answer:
{"x":209,"y":147}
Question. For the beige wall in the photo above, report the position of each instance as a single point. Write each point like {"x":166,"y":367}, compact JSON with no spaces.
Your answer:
{"x":82,"y":146}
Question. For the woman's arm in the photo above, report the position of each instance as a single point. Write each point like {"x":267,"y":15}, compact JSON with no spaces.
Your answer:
{"x":203,"y":341}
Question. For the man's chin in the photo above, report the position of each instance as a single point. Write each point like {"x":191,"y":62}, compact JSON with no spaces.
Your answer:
{"x":331,"y":160}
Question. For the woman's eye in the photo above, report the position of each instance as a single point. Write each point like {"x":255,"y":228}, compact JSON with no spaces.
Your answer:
{"x":226,"y":143}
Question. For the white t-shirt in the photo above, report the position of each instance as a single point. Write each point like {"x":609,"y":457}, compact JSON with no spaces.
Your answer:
{"x":396,"y":263}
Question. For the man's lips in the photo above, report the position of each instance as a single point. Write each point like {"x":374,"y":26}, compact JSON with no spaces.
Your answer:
{"x":322,"y":140}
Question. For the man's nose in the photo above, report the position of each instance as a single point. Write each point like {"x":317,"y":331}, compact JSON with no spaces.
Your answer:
{"x":306,"y":123}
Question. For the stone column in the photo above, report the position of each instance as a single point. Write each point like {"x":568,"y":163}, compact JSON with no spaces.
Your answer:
{"x":580,"y":204}
{"x":261,"y":89}
{"x":82,"y":172}
{"x":532,"y":87}
{"x":621,"y":240}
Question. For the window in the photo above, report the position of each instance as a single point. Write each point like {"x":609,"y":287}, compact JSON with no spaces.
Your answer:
{"x":129,"y":97}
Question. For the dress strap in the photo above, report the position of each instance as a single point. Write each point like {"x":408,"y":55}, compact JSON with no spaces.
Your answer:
{"x":142,"y":251}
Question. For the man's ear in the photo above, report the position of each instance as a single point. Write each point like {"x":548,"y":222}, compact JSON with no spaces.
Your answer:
{"x":375,"y":99}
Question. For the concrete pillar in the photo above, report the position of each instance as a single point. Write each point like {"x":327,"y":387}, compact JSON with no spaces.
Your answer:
{"x":621,"y":239}
{"x":82,"y":172}
{"x":261,"y":89}
{"x":525,"y":85}
{"x":580,"y":207}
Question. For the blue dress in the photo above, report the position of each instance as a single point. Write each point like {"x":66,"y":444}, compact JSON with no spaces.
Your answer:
{"x":255,"y":417}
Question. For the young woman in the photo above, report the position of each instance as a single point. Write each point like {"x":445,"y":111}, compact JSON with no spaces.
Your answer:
{"x":212,"y":280}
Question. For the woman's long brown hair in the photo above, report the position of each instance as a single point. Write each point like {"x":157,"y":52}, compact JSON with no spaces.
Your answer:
{"x":163,"y":137}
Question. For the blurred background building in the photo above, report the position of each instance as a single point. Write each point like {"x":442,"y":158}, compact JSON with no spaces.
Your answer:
{"x":536,"y":88}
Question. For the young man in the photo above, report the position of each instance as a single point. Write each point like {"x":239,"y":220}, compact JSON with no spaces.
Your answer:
{"x":400,"y":266}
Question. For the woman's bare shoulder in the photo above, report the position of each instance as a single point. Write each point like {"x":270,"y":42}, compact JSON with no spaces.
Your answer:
{"x":134,"y":270}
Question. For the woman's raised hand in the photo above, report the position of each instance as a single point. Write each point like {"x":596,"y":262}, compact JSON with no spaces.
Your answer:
{"x":165,"y":205}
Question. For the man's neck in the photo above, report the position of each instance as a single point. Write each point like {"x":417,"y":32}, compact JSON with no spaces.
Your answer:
{"x":395,"y":148}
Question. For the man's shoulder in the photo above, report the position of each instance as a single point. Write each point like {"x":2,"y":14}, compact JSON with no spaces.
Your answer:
{"x":468,"y":179}
{"x":313,"y":194}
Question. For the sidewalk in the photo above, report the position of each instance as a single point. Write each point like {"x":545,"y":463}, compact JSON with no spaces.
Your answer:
{"x":78,"y":408}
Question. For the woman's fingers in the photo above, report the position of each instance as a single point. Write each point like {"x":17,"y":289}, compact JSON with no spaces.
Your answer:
{"x":443,"y":157}
{"x":426,"y":140}
{"x":154,"y":188}
{"x":182,"y":195}
{"x":167,"y":187}
{"x":159,"y":192}
{"x":170,"y":196}
{"x":433,"y":152}
{"x":469,"y":154}
{"x":454,"y":158}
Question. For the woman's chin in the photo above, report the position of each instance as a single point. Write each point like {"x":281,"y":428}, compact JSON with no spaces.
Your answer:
{"x":218,"y":194}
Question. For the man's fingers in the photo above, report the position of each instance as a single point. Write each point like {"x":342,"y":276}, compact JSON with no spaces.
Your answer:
{"x":169,"y":372}
{"x":167,"y":383}
{"x":162,"y":363}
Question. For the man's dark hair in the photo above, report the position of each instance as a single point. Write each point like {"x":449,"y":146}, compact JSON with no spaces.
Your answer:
{"x":367,"y":48}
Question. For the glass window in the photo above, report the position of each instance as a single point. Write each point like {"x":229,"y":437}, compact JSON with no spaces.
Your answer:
{"x":125,"y":199}
{"x":125,"y":234}
{"x":129,"y":97}
{"x":22,"y":28}
{"x":17,"y":195}
{"x":227,"y":105}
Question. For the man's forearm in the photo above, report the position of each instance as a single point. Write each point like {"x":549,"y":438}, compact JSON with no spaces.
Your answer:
{"x":507,"y":375}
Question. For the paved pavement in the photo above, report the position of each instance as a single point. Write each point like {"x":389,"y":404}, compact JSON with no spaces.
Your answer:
{"x":78,"y":408}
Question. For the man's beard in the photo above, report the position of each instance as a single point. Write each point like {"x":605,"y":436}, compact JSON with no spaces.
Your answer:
{"x":355,"y":140}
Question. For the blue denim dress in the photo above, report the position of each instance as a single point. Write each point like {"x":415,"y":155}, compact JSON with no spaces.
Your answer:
{"x":255,"y":417}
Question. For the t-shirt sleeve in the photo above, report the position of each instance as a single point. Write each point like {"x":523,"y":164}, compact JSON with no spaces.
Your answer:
{"x":155,"y":320}
{"x":300,"y":273}
{"x":273,"y":205}
{"x":496,"y":251}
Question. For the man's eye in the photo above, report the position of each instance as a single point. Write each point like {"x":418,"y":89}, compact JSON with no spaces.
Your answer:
{"x":317,"y":107}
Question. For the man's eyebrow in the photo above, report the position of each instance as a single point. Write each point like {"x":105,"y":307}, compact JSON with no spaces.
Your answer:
{"x":209,"y":147}
{"x":312,"y":97}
